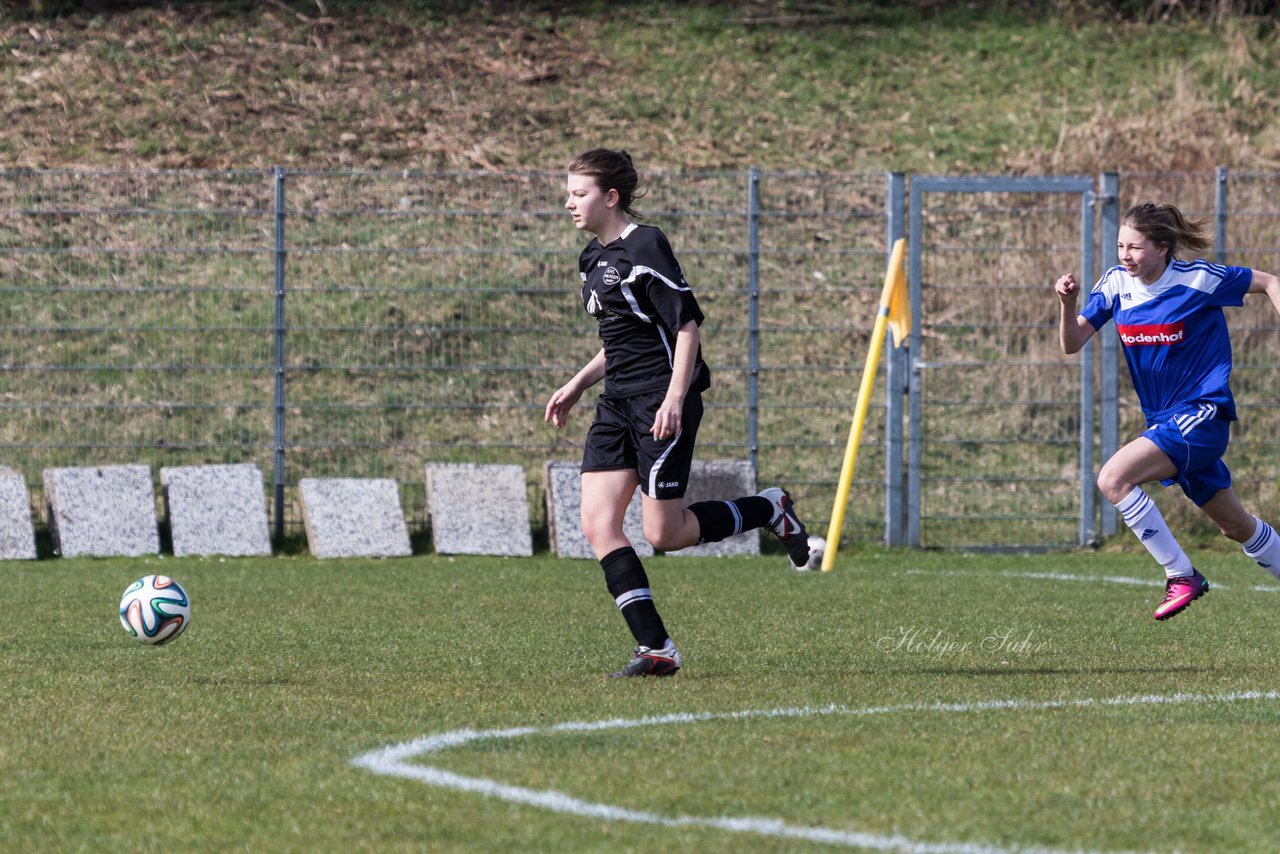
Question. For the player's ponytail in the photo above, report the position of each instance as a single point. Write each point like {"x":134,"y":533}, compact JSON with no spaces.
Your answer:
{"x":1165,"y":225}
{"x":612,"y":170}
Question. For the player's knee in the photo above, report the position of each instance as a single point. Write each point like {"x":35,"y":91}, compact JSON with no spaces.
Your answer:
{"x":1112,"y":484}
{"x":659,"y":534}
{"x":596,"y":527}
{"x":666,"y":534}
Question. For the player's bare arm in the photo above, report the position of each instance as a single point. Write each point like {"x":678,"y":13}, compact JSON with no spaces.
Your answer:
{"x":1265,"y":283}
{"x":667,"y":421}
{"x":567,"y":395}
{"x":1073,"y":330}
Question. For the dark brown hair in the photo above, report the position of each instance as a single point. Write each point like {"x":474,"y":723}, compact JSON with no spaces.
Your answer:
{"x":1165,"y":225}
{"x":612,"y":170}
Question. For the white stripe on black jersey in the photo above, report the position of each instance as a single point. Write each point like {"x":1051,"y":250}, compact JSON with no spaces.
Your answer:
{"x":635,"y":289}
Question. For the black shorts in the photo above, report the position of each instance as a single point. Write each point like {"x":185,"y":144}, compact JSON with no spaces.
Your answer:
{"x":619,"y":438}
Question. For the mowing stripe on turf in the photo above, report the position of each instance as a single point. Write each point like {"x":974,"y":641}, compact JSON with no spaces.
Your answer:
{"x":394,"y":761}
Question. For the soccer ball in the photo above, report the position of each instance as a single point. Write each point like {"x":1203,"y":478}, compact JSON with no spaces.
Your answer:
{"x":155,"y":609}
{"x":817,"y":548}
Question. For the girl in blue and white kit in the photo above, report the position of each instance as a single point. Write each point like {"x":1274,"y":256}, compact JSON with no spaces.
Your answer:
{"x":1168,"y":314}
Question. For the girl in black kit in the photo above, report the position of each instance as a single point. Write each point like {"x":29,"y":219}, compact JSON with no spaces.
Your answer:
{"x":647,"y":417}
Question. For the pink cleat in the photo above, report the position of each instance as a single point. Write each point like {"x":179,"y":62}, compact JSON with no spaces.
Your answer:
{"x":1179,"y":593}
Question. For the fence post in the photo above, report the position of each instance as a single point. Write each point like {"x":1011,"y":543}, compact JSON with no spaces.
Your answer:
{"x":753,"y":320}
{"x":279,"y":354}
{"x":915,"y":230}
{"x":1088,"y":492}
{"x":1221,"y":218}
{"x":1109,"y":359}
{"x":896,"y":378}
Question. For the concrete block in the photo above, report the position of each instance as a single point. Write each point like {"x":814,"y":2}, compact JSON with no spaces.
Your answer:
{"x":108,"y":511}
{"x":564,"y":519}
{"x":216,"y":510}
{"x":17,"y":534}
{"x":354,"y":517}
{"x":479,"y":509}
{"x":721,"y":479}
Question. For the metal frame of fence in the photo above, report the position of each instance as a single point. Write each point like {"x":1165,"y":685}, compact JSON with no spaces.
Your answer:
{"x":363,"y":324}
{"x":966,"y":505}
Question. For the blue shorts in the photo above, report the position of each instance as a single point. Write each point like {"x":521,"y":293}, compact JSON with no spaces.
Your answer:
{"x":1195,"y":441}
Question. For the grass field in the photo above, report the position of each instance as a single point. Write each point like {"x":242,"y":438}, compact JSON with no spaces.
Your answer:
{"x":927,"y":701}
{"x":959,"y":702}
{"x":785,"y":84}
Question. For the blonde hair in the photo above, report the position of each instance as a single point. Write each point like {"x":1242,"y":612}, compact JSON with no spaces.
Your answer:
{"x":1165,"y":225}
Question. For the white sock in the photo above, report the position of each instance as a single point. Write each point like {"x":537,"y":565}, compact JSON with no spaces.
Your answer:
{"x":1264,"y":547}
{"x":1143,"y":517}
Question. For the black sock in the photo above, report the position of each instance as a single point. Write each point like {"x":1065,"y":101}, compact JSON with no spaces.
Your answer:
{"x":718,"y":520}
{"x":629,"y":586}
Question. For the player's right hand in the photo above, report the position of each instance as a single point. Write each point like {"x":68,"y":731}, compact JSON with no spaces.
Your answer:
{"x":1067,"y":288}
{"x":560,"y":403}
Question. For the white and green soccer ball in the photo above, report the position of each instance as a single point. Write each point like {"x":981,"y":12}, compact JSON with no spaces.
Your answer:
{"x":155,"y":609}
{"x":817,"y":548}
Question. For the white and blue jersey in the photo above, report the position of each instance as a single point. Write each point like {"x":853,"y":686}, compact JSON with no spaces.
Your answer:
{"x":1174,"y":333}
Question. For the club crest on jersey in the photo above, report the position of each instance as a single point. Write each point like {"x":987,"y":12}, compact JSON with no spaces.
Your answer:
{"x":1152,"y":334}
{"x":612,"y":276}
{"x":593,"y":304}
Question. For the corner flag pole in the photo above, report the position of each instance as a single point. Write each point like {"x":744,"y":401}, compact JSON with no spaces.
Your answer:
{"x":893,"y":312}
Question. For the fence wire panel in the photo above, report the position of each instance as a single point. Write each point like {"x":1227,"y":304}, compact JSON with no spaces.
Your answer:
{"x":136,"y":320}
{"x":705,"y":217}
{"x":430,"y":315}
{"x":822,"y":265}
{"x":412,"y":318}
{"x":1250,"y":237}
{"x":1000,"y":404}
{"x":366,"y":324}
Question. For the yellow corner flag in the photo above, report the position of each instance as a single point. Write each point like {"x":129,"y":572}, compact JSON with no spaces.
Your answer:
{"x":895,"y":283}
{"x":895,"y":313}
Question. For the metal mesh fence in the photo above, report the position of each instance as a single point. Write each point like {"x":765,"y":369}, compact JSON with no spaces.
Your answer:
{"x":426,"y":315}
{"x":999,"y":412}
{"x":822,"y":263}
{"x":136,"y":321}
{"x":365,"y":324}
{"x":408,"y":318}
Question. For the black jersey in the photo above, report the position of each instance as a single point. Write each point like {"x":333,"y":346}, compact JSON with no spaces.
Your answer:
{"x":635,"y":289}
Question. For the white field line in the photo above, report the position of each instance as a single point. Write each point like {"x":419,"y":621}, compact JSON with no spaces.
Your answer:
{"x":395,"y":761}
{"x":1099,"y":579}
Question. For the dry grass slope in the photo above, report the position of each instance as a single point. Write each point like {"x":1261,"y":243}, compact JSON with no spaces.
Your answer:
{"x":782,"y":85}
